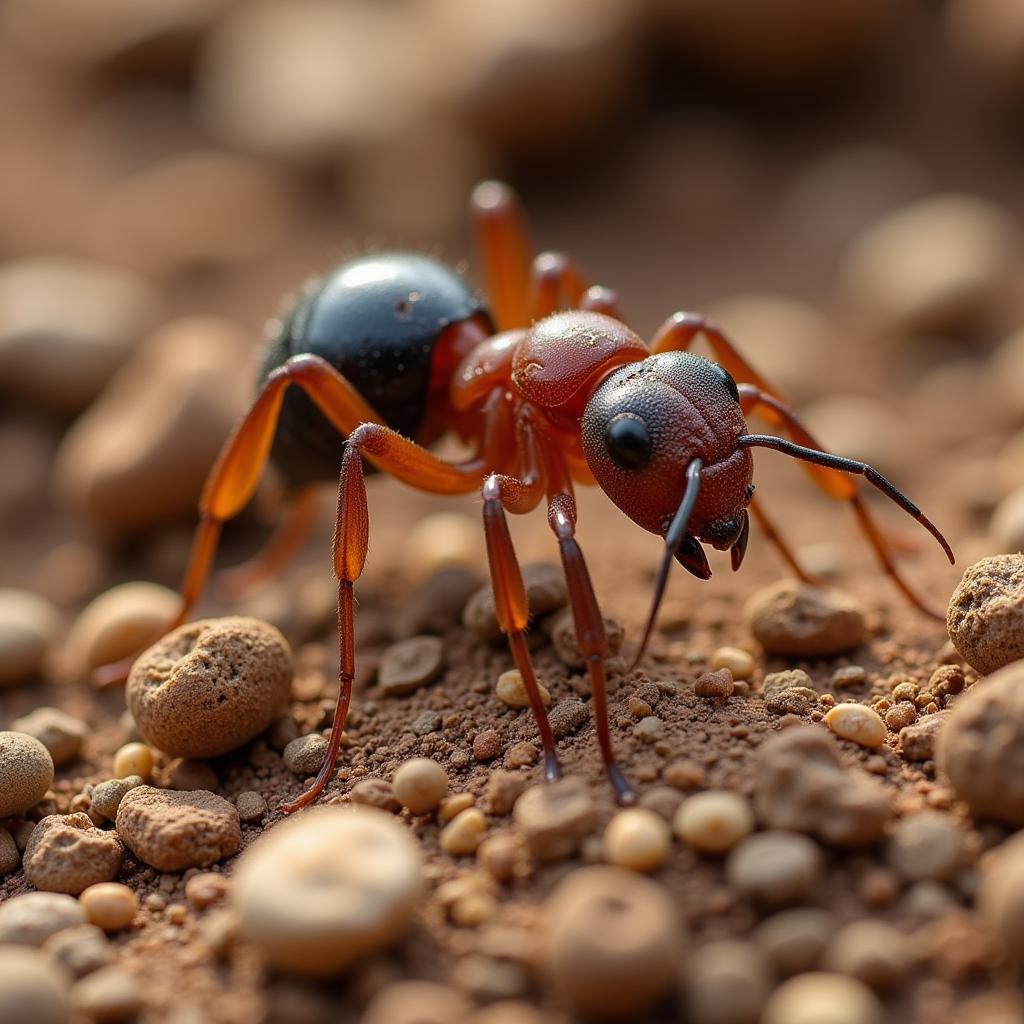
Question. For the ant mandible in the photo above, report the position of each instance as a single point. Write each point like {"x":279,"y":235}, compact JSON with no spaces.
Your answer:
{"x":391,"y":350}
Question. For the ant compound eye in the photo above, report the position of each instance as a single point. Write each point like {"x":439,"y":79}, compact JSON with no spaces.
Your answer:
{"x":728,"y":381}
{"x":628,"y":440}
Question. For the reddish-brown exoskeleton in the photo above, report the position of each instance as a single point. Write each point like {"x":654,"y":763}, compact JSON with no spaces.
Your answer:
{"x":394,"y":349}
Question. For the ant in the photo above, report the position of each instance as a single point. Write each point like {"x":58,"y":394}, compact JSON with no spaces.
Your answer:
{"x":550,"y":389}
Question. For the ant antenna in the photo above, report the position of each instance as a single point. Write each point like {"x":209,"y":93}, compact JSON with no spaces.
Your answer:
{"x":831,"y":461}
{"x":673,"y":538}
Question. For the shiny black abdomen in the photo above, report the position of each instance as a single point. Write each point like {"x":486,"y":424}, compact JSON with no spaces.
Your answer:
{"x":376,"y":319}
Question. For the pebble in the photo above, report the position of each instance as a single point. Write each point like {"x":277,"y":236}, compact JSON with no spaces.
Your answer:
{"x":410,"y":664}
{"x":172,"y":831}
{"x":110,"y":994}
{"x":30,"y":919}
{"x":185,"y":773}
{"x":611,"y":941}
{"x":555,"y":817}
{"x":1001,"y":895}
{"x":452,"y":805}
{"x":727,"y":982}
{"x":464,"y":833}
{"x":251,"y":807}
{"x":375,"y":793}
{"x":775,"y":868}
{"x":416,"y":1002}
{"x":521,"y":755}
{"x":900,"y":715}
{"x":118,"y":624}
{"x":789,"y":617}
{"x":327,"y":888}
{"x":133,"y":760}
{"x":857,"y":723}
{"x":80,"y":950}
{"x":567,"y":716}
{"x":210,"y":686}
{"x":638,"y":839}
{"x":60,"y":733}
{"x":127,"y":470}
{"x":109,"y":905}
{"x":563,"y":638}
{"x":795,"y":939}
{"x":802,"y":784}
{"x":10,"y":858}
{"x":487,"y":745}
{"x":26,"y":772}
{"x":819,"y":997}
{"x":1007,"y":526}
{"x":206,"y":888}
{"x":873,"y":952}
{"x":503,"y":790}
{"x":29,"y":624}
{"x":437,"y":604}
{"x":68,"y":853}
{"x":716,"y":685}
{"x":980,"y":750}
{"x":713,"y":822}
{"x":545,"y":592}
{"x":106,"y":796}
{"x":511,"y":691}
{"x":67,"y":325}
{"x":305,"y":755}
{"x":986,"y":613}
{"x":32,"y":988}
{"x":420,"y":784}
{"x":650,"y":729}
{"x":739,"y":662}
{"x":927,"y":845}
{"x":917,"y":741}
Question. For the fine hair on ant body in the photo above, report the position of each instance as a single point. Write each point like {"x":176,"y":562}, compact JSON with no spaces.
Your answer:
{"x":550,"y":390}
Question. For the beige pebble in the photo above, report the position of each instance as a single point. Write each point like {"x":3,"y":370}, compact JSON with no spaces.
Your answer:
{"x":555,"y":817}
{"x":59,"y":732}
{"x":638,"y":839}
{"x":450,"y":806}
{"x":410,"y":664}
{"x":26,"y":772}
{"x":873,"y":952}
{"x":442,"y":540}
{"x":775,"y":868}
{"x":795,"y":939}
{"x":28,"y":626}
{"x":1001,"y":895}
{"x":32,"y":988}
{"x":464,"y":833}
{"x":917,"y":741}
{"x":511,"y":690}
{"x":326,"y":888}
{"x":545,"y":592}
{"x":727,"y":982}
{"x":713,"y":822}
{"x":108,"y":996}
{"x":820,"y":998}
{"x":68,"y":853}
{"x":789,"y":617}
{"x":611,"y":941}
{"x":305,"y":755}
{"x":375,"y":793}
{"x":739,"y":662}
{"x":31,"y":918}
{"x":252,"y":806}
{"x":172,"y":830}
{"x":133,"y":759}
{"x":106,"y":796}
{"x":986,"y":613}
{"x":10,"y":857}
{"x":118,"y":624}
{"x":210,"y":686}
{"x":927,"y":844}
{"x":416,"y":1002}
{"x":420,"y":784}
{"x":206,"y":888}
{"x":109,"y":905}
{"x":716,"y":685}
{"x":80,"y":950}
{"x":857,"y":723}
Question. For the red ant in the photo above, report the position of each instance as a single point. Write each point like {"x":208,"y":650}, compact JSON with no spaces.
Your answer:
{"x":394,"y":349}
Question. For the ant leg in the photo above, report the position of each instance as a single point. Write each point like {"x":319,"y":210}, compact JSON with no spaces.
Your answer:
{"x":787,"y":553}
{"x":504,"y":249}
{"x":590,"y":634}
{"x":554,"y":280}
{"x":599,"y":299}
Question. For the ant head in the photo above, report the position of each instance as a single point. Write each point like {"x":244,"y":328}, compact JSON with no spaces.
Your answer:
{"x":646,"y":422}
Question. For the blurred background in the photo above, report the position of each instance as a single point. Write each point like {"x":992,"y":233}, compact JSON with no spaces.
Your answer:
{"x":838,"y":183}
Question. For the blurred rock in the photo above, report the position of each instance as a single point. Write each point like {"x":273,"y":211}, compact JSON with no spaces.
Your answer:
{"x":1007,"y":527}
{"x":28,"y":625}
{"x":859,"y":427}
{"x":989,"y":36}
{"x":1005,"y":377}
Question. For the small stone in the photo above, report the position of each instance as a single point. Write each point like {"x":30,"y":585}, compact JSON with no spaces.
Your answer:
{"x":327,"y":888}
{"x":794,"y":618}
{"x":305,"y":755}
{"x":638,"y":839}
{"x":416,"y":1002}
{"x":109,"y":905}
{"x":133,"y":760}
{"x":684,"y":775}
{"x":917,"y":741}
{"x":567,"y":716}
{"x":510,"y":690}
{"x":61,"y":734}
{"x":849,"y":675}
{"x":857,"y":723}
{"x":106,"y":796}
{"x":503,"y":790}
{"x":30,"y":919}
{"x":420,"y":784}
{"x":900,"y":716}
{"x":521,"y":755}
{"x":927,"y":845}
{"x":172,"y":830}
{"x":80,"y":950}
{"x":1001,"y":895}
{"x":110,"y":994}
{"x":795,"y":939}
{"x":251,"y":806}
{"x":775,"y":868}
{"x":410,"y":664}
{"x":819,"y":997}
{"x":487,"y":745}
{"x":10,"y":858}
{"x":206,"y":888}
{"x":501,"y":856}
{"x":713,"y":822}
{"x":980,"y":749}
{"x":375,"y":793}
{"x":26,"y":772}
{"x":650,"y":729}
{"x":611,"y":941}
{"x":986,"y":613}
{"x":454,"y":805}
{"x":464,"y":833}
{"x":426,"y":722}
{"x":32,"y":988}
{"x":186,"y":773}
{"x":739,"y":662}
{"x":727,"y":982}
{"x":793,"y":700}
{"x":563,"y":637}
{"x":947,"y":680}
{"x":209,"y":686}
{"x":555,"y":818}
{"x":716,"y":685}
{"x":68,"y":853}
{"x":29,"y":624}
{"x":545,"y":592}
{"x":873,"y":952}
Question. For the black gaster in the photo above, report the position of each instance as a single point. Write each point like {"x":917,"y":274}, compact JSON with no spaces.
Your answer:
{"x":376,"y":320}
